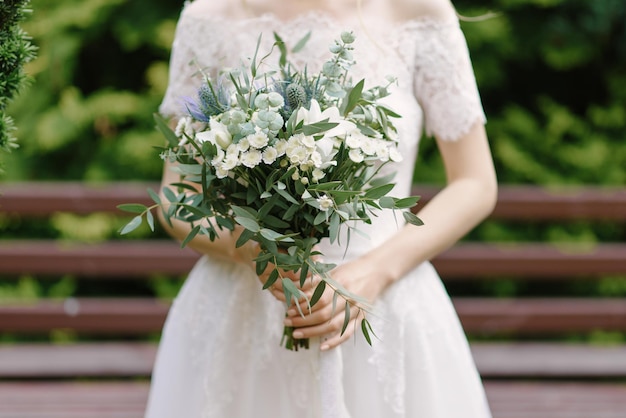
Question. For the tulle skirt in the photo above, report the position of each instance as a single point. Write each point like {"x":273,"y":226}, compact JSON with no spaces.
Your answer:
{"x":220,"y":356}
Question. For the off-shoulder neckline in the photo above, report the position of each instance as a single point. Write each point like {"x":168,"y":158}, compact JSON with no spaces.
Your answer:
{"x":419,"y":22}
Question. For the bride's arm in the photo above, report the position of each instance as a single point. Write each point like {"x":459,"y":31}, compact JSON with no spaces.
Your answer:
{"x":222,"y":247}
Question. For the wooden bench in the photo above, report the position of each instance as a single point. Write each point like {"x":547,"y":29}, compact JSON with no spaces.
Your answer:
{"x":531,"y":374}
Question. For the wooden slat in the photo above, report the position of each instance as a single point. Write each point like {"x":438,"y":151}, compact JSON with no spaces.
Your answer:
{"x":108,"y":259}
{"x":549,"y":360}
{"x":35,"y":199}
{"x":514,"y":202}
{"x":464,"y":261}
{"x":494,"y":360}
{"x":482,"y":316}
{"x":103,"y":359}
{"x":128,"y":399}
{"x":549,"y":316}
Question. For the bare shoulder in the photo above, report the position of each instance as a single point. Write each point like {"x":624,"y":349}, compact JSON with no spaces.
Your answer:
{"x":210,"y":7}
{"x":415,"y":9}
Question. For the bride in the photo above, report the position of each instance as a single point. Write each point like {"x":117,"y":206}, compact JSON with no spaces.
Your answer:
{"x":220,"y":353}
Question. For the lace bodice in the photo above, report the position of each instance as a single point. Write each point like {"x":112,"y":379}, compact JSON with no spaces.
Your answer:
{"x":428,"y":57}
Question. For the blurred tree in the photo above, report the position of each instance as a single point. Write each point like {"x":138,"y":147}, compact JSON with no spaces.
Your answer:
{"x":15,"y":51}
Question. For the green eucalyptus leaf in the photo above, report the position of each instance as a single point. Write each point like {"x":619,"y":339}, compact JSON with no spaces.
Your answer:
{"x":150,"y":219}
{"x":364,"y":326}
{"x":132,"y":207}
{"x":387,"y":202}
{"x":378,"y":192}
{"x":353,"y":98}
{"x":407,"y":202}
{"x":154,"y":196}
{"x":271,"y":279}
{"x":131,"y":226}
{"x":249,"y":224}
{"x":319,"y":291}
{"x":346,"y":318}
{"x":411,"y":218}
{"x":301,"y":43}
{"x":192,"y":234}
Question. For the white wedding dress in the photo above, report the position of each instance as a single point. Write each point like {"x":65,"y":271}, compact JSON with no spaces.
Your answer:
{"x":220,"y":353}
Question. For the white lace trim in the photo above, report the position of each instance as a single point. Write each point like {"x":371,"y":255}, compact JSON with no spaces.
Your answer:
{"x":429,"y":55}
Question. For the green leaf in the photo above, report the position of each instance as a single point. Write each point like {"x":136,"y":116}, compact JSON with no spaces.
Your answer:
{"x":380,"y":181}
{"x":170,"y":195}
{"x":248,"y":223}
{"x":301,"y":43}
{"x":364,"y":326}
{"x":411,"y":218}
{"x":169,"y":134}
{"x":132,"y":207}
{"x":271,"y":279}
{"x":320,"y":218}
{"x":407,"y":202}
{"x":154,"y":196}
{"x":286,"y":196}
{"x":378,"y":192}
{"x":244,"y":212}
{"x":387,"y":202}
{"x":192,"y":234}
{"x":282,"y":48}
{"x":131,"y":226}
{"x":245,"y":236}
{"x":319,"y":291}
{"x":354,"y":97}
{"x":318,"y":127}
{"x":150,"y":220}
{"x":269,"y":234}
{"x":335,"y":222}
{"x":346,"y":318}
{"x":274,"y":222}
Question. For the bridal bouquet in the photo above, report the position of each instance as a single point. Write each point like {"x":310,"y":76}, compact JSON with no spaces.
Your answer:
{"x":289,"y":156}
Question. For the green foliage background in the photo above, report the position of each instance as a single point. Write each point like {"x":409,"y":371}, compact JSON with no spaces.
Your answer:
{"x":552,"y":75}
{"x":15,"y":51}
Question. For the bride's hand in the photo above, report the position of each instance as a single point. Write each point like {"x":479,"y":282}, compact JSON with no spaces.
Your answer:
{"x":276,"y":289}
{"x":358,"y":277}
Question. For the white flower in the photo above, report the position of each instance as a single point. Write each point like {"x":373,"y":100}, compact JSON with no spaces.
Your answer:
{"x":327,"y":149}
{"x":252,"y":158}
{"x":230,"y":161}
{"x":355,"y":155}
{"x":218,"y":134}
{"x":368,"y":146}
{"x":314,"y":114}
{"x":184,"y":130}
{"x":308,"y":141}
{"x":243,"y":145}
{"x":317,"y":174}
{"x":382,"y":151}
{"x":258,"y":140}
{"x":221,"y":173}
{"x":354,"y":139}
{"x":218,"y":157}
{"x":297,"y":154}
{"x":269,"y":155}
{"x":325,"y":202}
{"x":316,"y":159}
{"x":281,"y":147}
{"x":394,"y":155}
{"x":304,"y":180}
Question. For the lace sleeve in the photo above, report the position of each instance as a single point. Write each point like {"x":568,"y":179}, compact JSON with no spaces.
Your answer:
{"x":444,"y":81}
{"x":193,"y":53}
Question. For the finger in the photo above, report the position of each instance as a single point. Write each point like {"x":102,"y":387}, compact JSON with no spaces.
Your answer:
{"x":338,"y":338}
